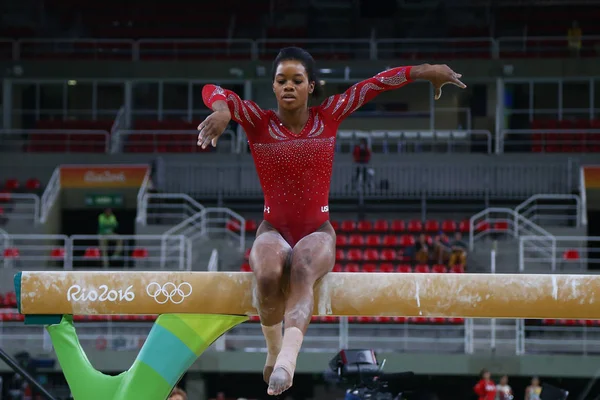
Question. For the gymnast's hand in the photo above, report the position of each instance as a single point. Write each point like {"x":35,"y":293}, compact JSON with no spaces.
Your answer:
{"x":212,"y":127}
{"x":438,"y":75}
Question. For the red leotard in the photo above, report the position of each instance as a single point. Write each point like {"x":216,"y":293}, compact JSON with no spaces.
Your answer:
{"x":295,"y":169}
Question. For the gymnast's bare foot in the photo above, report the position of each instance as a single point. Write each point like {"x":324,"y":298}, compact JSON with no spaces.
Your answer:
{"x":267,"y":371}
{"x":280,"y":381}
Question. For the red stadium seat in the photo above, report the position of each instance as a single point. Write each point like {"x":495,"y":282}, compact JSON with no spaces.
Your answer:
{"x":337,"y":268}
{"x":449,"y":226}
{"x":432,"y":226}
{"x":348,"y":226}
{"x":464,"y":226}
{"x":340,"y":255}
{"x":407,"y":240}
{"x":501,"y":226}
{"x":571,"y":255}
{"x":422,"y":268}
{"x":233,"y":225}
{"x":369,"y":268}
{"x":482,"y":226}
{"x":371,"y":255}
{"x":352,"y":267}
{"x":418,"y":320}
{"x":365,"y":226}
{"x":390,"y":241}
{"x":335,"y":225}
{"x":354,"y":255}
{"x":415,"y":226}
{"x":456,"y":321}
{"x":341,"y":240}
{"x":11,"y":253}
{"x":437,"y":320}
{"x":388,"y":255}
{"x":356,"y":240}
{"x":381,"y":225}
{"x":439,"y":269}
{"x":139,"y":253}
{"x":57,"y":253}
{"x":400,"y":320}
{"x":246,"y":268}
{"x":11,"y":184}
{"x":457,"y":269}
{"x":386,"y":267}
{"x":92,"y":253}
{"x":10,"y":299}
{"x":33,"y":184}
{"x":373,"y":241}
{"x":247,"y":253}
{"x":251,"y":225}
{"x":404,"y":268}
{"x":398,"y":225}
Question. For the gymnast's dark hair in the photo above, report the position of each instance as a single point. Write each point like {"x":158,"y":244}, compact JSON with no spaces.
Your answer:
{"x":299,"y":54}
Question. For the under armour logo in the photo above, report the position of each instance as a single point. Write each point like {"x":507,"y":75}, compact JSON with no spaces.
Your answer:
{"x":267,"y":210}
{"x":325,"y":209}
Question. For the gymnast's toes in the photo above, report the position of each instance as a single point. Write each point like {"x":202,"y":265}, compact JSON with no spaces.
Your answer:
{"x":279,"y":382}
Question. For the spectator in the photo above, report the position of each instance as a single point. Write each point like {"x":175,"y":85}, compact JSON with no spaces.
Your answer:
{"x":534,"y":390}
{"x":503,"y":390}
{"x":458,"y":257}
{"x":441,"y":248}
{"x":177,"y":394}
{"x":422,"y":250}
{"x":107,"y":225}
{"x":485,"y":388}
{"x":362,"y":156}
{"x":574,"y":36}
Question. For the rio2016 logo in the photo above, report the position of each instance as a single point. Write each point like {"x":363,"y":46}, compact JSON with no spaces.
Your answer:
{"x":103,"y":293}
{"x":169,"y":292}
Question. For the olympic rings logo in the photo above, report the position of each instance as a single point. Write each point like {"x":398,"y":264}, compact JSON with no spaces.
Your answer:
{"x":169,"y":292}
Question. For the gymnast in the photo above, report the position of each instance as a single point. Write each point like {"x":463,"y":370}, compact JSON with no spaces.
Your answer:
{"x":293,"y":149}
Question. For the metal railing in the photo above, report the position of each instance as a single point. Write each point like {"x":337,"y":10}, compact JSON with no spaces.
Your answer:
{"x":166,"y":208}
{"x":35,"y":251}
{"x":167,"y":141}
{"x":526,"y":338}
{"x":21,"y":207}
{"x":506,"y":221}
{"x":551,"y":140}
{"x":552,"y":209}
{"x":567,"y":252}
{"x":446,"y":141}
{"x":246,"y":49}
{"x":50,"y":195}
{"x":216,"y":223}
{"x":141,"y":200}
{"x":408,"y":179}
{"x":213,"y":262}
{"x":55,"y":140}
{"x":129,"y":251}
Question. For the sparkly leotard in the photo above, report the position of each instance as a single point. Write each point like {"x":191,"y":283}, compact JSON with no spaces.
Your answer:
{"x":295,"y":169}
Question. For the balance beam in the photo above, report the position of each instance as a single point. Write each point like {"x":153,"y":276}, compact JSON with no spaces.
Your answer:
{"x":339,"y":294}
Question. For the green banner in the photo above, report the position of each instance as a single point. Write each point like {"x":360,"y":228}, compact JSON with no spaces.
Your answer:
{"x":104,"y":200}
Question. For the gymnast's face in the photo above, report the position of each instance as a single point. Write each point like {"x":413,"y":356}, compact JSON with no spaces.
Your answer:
{"x":291,"y":85}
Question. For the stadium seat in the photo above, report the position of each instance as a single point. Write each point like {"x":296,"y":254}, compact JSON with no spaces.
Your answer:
{"x":10,"y":299}
{"x":381,"y":226}
{"x":337,"y":268}
{"x":92,"y":253}
{"x":340,"y":255}
{"x":11,"y":184}
{"x":139,"y":253}
{"x":251,"y":225}
{"x":388,"y":255}
{"x":457,"y":269}
{"x":404,"y":268}
{"x":390,"y":241}
{"x":571,"y":255}
{"x":373,"y":240}
{"x":501,"y":226}
{"x":356,"y":240}
{"x":371,"y":255}
{"x":398,"y":225}
{"x":341,"y":240}
{"x":57,"y":253}
{"x":449,"y":226}
{"x":365,"y":226}
{"x":369,"y":268}
{"x":354,"y":255}
{"x":247,"y":253}
{"x":33,"y":184}
{"x":464,"y":226}
{"x":415,"y":226}
{"x":11,"y":253}
{"x":246,"y":268}
{"x":407,"y":240}
{"x":439,"y":269}
{"x":386,"y":267}
{"x":352,"y":267}
{"x":432,"y":226}
{"x":422,"y":268}
{"x":348,"y":226}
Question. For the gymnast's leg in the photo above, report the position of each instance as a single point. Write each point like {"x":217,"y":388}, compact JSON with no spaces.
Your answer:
{"x":312,"y":258}
{"x":269,"y":255}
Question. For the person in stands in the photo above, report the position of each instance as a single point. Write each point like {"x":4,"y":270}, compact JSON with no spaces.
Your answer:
{"x":503,"y":390}
{"x":362,"y":156}
{"x":177,"y":394}
{"x":534,"y":390}
{"x":485,"y":389}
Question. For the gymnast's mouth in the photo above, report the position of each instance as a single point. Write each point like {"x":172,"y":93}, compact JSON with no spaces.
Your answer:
{"x":288,"y":97}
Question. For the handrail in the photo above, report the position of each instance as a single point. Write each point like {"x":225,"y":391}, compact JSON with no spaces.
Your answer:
{"x":213,"y":262}
{"x":506,"y":133}
{"x":68,"y":141}
{"x":207,"y":229}
{"x":119,"y":142}
{"x":142,"y":206}
{"x":134,"y":50}
{"x":28,"y":196}
{"x":582,"y":190}
{"x":50,"y":194}
{"x":537,"y":197}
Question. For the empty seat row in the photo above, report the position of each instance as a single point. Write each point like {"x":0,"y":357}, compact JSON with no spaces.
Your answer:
{"x":15,"y":185}
{"x":559,"y":141}
{"x":58,"y":253}
{"x":384,"y":320}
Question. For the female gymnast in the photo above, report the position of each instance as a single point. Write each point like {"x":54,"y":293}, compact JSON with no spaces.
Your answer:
{"x":293,"y":150}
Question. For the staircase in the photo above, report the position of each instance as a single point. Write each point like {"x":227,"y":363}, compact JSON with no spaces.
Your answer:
{"x":204,"y":229}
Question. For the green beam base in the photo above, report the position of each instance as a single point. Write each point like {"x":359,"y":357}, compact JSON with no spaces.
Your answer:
{"x":173,"y":345}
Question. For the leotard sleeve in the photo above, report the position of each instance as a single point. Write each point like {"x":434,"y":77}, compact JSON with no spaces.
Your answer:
{"x":340,"y":106}
{"x":245,"y":112}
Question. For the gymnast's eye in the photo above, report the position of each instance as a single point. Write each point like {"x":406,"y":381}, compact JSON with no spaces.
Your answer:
{"x":281,"y":82}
